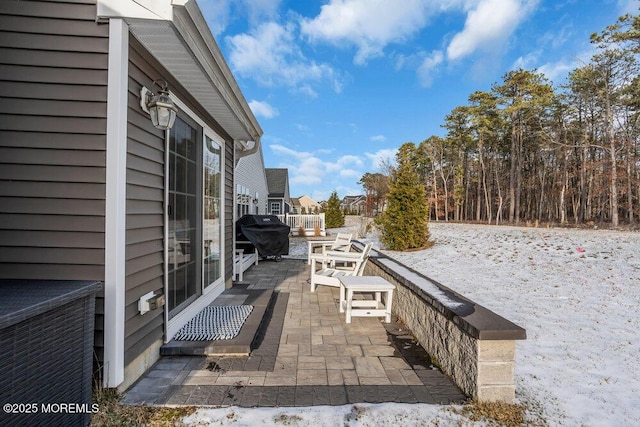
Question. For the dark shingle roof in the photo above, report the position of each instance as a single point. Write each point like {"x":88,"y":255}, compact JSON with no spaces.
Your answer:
{"x":277,"y":180}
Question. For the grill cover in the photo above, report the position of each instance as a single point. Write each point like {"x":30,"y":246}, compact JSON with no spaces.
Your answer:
{"x":267,"y":234}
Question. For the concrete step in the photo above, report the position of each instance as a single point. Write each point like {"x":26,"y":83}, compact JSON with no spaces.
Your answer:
{"x":241,"y":344}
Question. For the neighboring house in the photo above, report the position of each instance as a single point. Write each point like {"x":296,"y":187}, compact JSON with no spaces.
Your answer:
{"x":251,"y":185}
{"x":353,"y":205}
{"x":91,"y":190}
{"x":305,"y":204}
{"x":296,"y":207}
{"x":278,"y":183}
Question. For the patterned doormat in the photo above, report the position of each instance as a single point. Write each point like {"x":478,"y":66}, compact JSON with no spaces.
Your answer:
{"x":215,"y":323}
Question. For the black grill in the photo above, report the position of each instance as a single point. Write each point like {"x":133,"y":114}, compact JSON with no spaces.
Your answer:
{"x":266,"y":233}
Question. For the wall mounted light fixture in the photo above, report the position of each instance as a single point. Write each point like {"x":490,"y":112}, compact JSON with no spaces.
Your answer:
{"x":159,"y":106}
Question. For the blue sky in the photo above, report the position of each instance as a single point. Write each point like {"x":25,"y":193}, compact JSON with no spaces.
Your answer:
{"x":339,"y":85}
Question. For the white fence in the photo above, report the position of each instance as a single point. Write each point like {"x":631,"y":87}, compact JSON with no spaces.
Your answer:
{"x":312,"y":224}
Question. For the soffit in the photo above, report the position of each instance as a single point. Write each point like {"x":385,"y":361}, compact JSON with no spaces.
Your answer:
{"x":199,"y":74}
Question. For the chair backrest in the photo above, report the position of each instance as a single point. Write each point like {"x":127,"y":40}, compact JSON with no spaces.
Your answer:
{"x":342,"y":242}
{"x":365,"y":256}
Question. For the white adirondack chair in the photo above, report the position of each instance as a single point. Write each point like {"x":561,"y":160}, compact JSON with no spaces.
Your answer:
{"x":342,"y":243}
{"x":323,"y":272}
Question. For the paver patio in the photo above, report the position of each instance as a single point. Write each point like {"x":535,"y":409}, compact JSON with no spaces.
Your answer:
{"x":307,"y":355}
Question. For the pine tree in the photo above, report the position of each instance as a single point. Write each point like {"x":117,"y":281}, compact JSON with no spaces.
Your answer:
{"x":405,"y":222}
{"x":333,"y":216}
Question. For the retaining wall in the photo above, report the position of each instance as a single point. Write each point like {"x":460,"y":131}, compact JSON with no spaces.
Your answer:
{"x":473,"y":345}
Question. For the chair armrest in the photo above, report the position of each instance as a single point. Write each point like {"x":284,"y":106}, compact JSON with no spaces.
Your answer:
{"x":313,"y":244}
{"x":340,"y":254}
{"x":336,"y":256}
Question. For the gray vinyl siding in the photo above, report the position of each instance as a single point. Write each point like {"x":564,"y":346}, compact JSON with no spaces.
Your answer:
{"x":53,"y":92}
{"x":250,"y":174}
{"x":53,"y":106}
{"x":229,"y":209}
{"x":145,"y":202}
{"x":144,"y":210}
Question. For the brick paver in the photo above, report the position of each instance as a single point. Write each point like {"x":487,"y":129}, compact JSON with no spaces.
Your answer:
{"x":306,"y":356}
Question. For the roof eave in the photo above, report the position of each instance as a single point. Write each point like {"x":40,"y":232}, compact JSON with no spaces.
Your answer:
{"x":177,"y":35}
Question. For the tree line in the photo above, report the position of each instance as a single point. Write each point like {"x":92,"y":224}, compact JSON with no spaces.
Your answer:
{"x":526,"y":151}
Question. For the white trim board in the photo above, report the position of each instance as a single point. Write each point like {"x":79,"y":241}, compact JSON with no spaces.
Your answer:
{"x":115,"y":203}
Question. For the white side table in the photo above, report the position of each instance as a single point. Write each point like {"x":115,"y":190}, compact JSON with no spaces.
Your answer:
{"x":366,"y":308}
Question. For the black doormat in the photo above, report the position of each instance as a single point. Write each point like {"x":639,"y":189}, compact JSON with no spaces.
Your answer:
{"x":215,"y":323}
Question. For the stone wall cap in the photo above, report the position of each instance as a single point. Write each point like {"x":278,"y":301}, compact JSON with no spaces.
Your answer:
{"x":474,"y":319}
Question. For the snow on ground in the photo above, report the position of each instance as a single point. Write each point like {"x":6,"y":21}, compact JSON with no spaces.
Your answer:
{"x":574,"y":291}
{"x":364,"y":415}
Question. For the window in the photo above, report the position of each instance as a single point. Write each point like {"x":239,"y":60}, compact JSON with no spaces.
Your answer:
{"x":243,"y":200}
{"x":275,"y":208}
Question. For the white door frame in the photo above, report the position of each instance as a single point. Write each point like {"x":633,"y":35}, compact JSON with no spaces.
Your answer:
{"x":209,"y":293}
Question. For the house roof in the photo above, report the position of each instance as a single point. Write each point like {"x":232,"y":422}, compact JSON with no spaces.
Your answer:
{"x":307,"y":201}
{"x":351,"y":199}
{"x":177,"y":35}
{"x":277,"y":181}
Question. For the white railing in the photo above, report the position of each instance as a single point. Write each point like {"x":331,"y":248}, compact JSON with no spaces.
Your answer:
{"x":312,"y":224}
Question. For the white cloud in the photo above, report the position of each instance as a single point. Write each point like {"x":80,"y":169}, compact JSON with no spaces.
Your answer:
{"x":429,"y":67}
{"x":270,"y":56}
{"x":378,"y":138}
{"x":261,"y":10}
{"x":350,"y":173}
{"x":314,"y":168}
{"x":307,"y":90}
{"x":304,"y":167}
{"x":217,"y":14}
{"x":271,"y":53}
{"x":382,"y":157}
{"x":369,"y":25}
{"x":263,"y":109}
{"x":488,"y":26}
{"x":310,"y":170}
{"x":559,"y":70}
{"x":527,"y":61}
{"x":349,"y":160}
{"x":286,"y":151}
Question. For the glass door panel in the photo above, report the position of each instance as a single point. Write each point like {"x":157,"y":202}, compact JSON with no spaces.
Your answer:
{"x":184,"y":227}
{"x":211,"y":228}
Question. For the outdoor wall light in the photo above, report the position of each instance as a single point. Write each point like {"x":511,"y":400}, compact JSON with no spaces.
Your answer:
{"x":159,"y":106}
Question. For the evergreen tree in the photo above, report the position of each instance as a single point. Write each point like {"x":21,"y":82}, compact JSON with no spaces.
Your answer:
{"x":333,"y":216}
{"x":405,"y":222}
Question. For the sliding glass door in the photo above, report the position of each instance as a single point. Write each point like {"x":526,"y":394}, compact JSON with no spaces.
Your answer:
{"x":194,"y":206}
{"x":183,"y":207}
